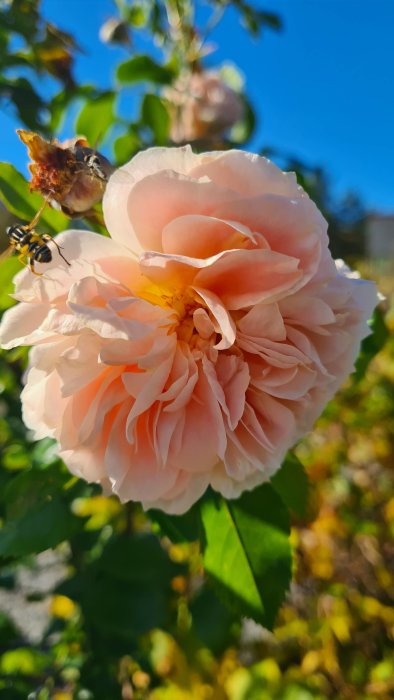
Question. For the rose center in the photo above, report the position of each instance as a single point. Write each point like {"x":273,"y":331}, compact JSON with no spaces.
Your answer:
{"x":190,"y":327}
{"x":185,"y":304}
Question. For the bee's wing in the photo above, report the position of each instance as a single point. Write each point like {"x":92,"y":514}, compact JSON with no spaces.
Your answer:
{"x":6,"y":253}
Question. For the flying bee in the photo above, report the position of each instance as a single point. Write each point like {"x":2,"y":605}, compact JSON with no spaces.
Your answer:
{"x":30,"y":244}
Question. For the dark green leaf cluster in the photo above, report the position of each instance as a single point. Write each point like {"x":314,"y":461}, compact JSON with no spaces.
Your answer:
{"x":42,"y":48}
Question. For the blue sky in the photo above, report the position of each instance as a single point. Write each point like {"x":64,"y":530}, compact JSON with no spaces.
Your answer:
{"x":322,"y":88}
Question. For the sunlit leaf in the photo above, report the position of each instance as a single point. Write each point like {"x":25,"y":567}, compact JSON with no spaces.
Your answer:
{"x":136,"y":14}
{"x":8,"y":269}
{"x":155,"y":115}
{"x":126,"y":146}
{"x":62,"y":100}
{"x":96,"y":117}
{"x":23,"y":660}
{"x":247,"y":552}
{"x":143,"y":68}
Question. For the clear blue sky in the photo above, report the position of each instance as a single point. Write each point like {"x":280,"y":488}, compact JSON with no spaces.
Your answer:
{"x":322,"y":88}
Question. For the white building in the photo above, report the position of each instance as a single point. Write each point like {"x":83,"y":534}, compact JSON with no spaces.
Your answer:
{"x":379,"y":232}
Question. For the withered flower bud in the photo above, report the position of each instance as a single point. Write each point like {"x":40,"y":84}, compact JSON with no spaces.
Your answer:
{"x":71,"y":174}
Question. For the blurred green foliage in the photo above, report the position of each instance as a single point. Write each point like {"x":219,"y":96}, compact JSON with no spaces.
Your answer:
{"x":147,"y":606}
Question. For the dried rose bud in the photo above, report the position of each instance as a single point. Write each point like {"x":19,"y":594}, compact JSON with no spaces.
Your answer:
{"x":71,"y":174}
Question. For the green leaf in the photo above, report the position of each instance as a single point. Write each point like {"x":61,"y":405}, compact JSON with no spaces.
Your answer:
{"x":28,"y":103}
{"x":213,"y":623}
{"x":23,"y":660}
{"x":154,"y":114}
{"x":178,"y":528}
{"x":126,"y":146}
{"x":16,"y":457}
{"x":8,"y":269}
{"x":122,"y":597}
{"x":33,"y":487}
{"x":270,"y":19}
{"x":119,"y":609}
{"x":136,"y":15}
{"x":38,"y":512}
{"x":60,"y":102}
{"x":137,"y":559}
{"x":243,"y":130}
{"x":255,"y":19}
{"x":247,"y":553}
{"x":8,"y":631}
{"x":143,"y":68}
{"x":15,"y":195}
{"x":291,"y":483}
{"x":372,"y":344}
{"x":96,"y":117}
{"x":39,"y":529}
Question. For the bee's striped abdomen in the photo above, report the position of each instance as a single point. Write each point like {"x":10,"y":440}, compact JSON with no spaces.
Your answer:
{"x":43,"y":254}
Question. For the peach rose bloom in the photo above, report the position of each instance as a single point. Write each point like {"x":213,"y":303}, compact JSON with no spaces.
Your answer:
{"x":198,"y":343}
{"x":203,"y":106}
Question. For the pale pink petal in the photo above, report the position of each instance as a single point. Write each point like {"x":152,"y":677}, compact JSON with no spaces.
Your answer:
{"x":291,"y":384}
{"x":200,"y":236}
{"x":203,"y":438}
{"x":145,"y":389}
{"x":109,"y":393}
{"x":228,"y":379}
{"x":185,"y":492}
{"x":133,"y":469}
{"x":85,"y":463}
{"x":181,"y":380}
{"x":116,"y":197}
{"x":153,"y":160}
{"x":203,"y":323}
{"x":223,"y":323}
{"x":293,"y":227}
{"x":277,"y":420}
{"x":229,"y":487}
{"x":21,"y":325}
{"x":242,"y":278}
{"x":233,"y":375}
{"x":263,"y":321}
{"x":173,"y":195}
{"x":40,"y":412}
{"x":77,"y":365}
{"x":304,"y":308}
{"x":171,"y":271}
{"x":247,"y":173}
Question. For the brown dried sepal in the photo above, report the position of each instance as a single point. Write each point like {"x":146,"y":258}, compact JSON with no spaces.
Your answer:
{"x":59,"y":173}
